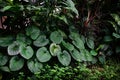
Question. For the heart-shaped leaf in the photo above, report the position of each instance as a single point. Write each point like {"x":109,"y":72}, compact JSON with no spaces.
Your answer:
{"x":55,"y":49}
{"x":16,"y":63}
{"x":26,"y":52}
{"x":41,"y":41}
{"x":3,"y":59}
{"x":33,"y":32}
{"x":76,"y":55}
{"x":34,"y":66}
{"x":13,"y":49}
{"x":64,"y":58}
{"x":43,"y":55}
{"x":56,"y":37}
{"x":68,"y":46}
{"x":6,"y":41}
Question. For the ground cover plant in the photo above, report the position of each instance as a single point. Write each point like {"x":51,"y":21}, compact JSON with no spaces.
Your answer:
{"x":40,"y":32}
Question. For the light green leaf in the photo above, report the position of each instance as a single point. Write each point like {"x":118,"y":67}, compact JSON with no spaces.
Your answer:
{"x":56,"y":37}
{"x":67,"y":45}
{"x":43,"y":54}
{"x":3,"y":59}
{"x":33,"y":32}
{"x":116,"y":17}
{"x":64,"y":58}
{"x":6,"y":8}
{"x":41,"y":41}
{"x":54,"y":49}
{"x":14,"y":49}
{"x":34,"y":66}
{"x":26,"y":52}
{"x":76,"y":55}
{"x":16,"y":63}
{"x":93,"y":53}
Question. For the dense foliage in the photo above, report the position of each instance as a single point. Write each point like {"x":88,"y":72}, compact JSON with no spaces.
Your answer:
{"x":37,"y":32}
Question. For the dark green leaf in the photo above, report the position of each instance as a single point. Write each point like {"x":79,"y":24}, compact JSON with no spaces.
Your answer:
{"x":26,"y":52}
{"x":16,"y":63}
{"x":3,"y":59}
{"x":90,"y":43}
{"x":5,"y":68}
{"x":41,"y":41}
{"x":14,"y":49}
{"x":34,"y":66}
{"x":56,"y":37}
{"x":102,"y":59}
{"x":64,"y":58}
{"x":116,"y":35}
{"x":33,"y":32}
{"x":43,"y":54}
{"x":68,"y":46}
{"x":76,"y":55}
{"x":6,"y":41}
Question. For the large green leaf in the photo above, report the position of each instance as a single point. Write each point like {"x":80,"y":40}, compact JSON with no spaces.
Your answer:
{"x":55,"y":49}
{"x":33,"y":32}
{"x":76,"y":55}
{"x":83,"y":55}
{"x":6,"y":41}
{"x":3,"y":59}
{"x":34,"y":66}
{"x":64,"y":58}
{"x":41,"y":41}
{"x":16,"y":63}
{"x":68,"y":46}
{"x":14,"y":49}
{"x":43,"y":54}
{"x":26,"y":52}
{"x":56,"y":37}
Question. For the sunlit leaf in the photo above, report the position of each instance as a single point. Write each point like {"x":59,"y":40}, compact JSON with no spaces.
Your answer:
{"x":55,"y":49}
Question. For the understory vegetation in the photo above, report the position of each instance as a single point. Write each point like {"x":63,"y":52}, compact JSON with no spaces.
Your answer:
{"x":59,"y":39}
